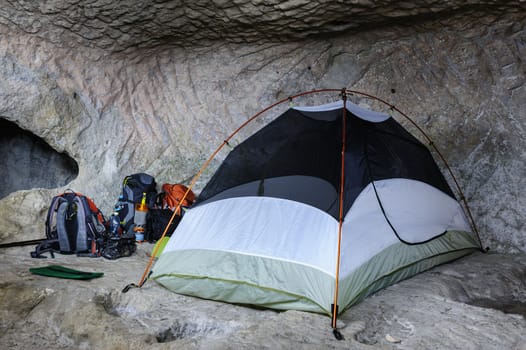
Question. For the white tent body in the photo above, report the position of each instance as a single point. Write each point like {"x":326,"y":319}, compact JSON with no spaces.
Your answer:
{"x":229,"y":249}
{"x":282,"y":254}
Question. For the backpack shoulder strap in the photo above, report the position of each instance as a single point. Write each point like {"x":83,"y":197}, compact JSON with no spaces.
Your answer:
{"x":95,"y":210}
{"x":82,"y":229}
{"x":62,"y":232}
{"x":51,"y":216}
{"x":46,"y":246}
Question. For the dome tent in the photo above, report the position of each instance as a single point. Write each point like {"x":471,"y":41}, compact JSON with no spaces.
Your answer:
{"x":286,"y":222}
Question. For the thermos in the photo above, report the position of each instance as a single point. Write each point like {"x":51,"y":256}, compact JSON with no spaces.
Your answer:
{"x":141,"y":210}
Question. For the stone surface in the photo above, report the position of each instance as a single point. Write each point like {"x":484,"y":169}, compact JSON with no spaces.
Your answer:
{"x":132,"y":24}
{"x":453,"y":306}
{"x":163,"y":110}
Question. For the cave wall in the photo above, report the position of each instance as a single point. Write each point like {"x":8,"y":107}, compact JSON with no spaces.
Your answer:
{"x":160,"y":103}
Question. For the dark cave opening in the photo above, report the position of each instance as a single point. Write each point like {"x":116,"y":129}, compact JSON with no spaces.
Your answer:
{"x":27,"y":161}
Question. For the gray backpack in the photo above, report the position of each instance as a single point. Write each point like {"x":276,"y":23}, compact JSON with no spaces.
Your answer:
{"x":74,"y":225}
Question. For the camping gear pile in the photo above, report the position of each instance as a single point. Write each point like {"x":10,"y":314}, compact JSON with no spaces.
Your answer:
{"x":74,"y":224}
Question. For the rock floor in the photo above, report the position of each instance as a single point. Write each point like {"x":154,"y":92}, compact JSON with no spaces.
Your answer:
{"x":478,"y":302}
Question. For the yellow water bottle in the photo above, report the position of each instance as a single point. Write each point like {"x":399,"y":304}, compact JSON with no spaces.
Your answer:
{"x":141,"y":210}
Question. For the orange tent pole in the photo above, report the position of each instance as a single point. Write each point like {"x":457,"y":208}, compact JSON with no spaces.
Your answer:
{"x":340,"y":217}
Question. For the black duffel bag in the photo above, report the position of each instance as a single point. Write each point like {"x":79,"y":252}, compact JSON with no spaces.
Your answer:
{"x":157,"y":221}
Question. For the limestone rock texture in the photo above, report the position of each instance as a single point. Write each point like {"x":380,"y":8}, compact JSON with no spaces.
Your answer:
{"x":452,"y":306}
{"x":120,"y":87}
{"x":156,"y":86}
